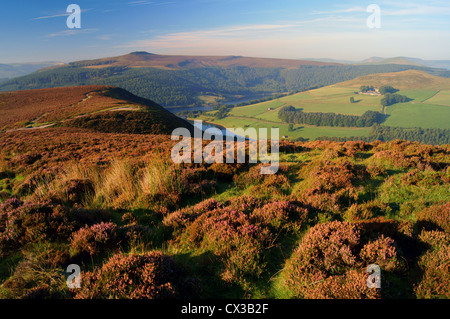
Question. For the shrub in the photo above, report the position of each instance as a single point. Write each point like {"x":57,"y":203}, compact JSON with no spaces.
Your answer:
{"x":435,"y":217}
{"x":331,"y":186}
{"x":350,"y":285}
{"x":35,"y":221}
{"x":281,"y":214}
{"x":366,"y":210}
{"x":263,"y":184}
{"x":228,"y":230}
{"x":331,"y":260}
{"x":382,"y":252}
{"x":23,"y":222}
{"x":234,"y":237}
{"x":94,"y":239}
{"x":181,"y":217}
{"x":150,"y":276}
{"x":435,"y":265}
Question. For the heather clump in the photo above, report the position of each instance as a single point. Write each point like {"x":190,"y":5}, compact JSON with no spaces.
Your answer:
{"x":24,"y":222}
{"x":382,"y":251}
{"x":94,"y":239}
{"x":263,"y":185}
{"x":331,"y":185}
{"x":435,"y":266}
{"x":281,"y":214}
{"x":228,"y":230}
{"x":331,"y":259}
{"x":435,"y":217}
{"x":179,"y":218}
{"x":107,"y":236}
{"x":231,"y":235}
{"x":350,"y":285}
{"x":149,"y":276}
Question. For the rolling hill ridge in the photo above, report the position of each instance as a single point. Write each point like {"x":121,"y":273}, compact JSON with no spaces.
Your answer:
{"x":177,"y":62}
{"x":199,"y":80}
{"x":102,"y":108}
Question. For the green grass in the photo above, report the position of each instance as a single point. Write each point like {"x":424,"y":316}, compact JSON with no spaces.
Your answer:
{"x":418,"y":115}
{"x":255,"y":109}
{"x":418,"y":95}
{"x":429,"y":108}
{"x":441,"y":98}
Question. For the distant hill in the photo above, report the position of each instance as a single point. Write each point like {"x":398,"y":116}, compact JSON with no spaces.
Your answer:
{"x":402,"y":80}
{"x":19,"y":69}
{"x":198,"y":80}
{"x":178,"y":62}
{"x":439,"y":64}
{"x":395,"y":60}
{"x":101,"y":108}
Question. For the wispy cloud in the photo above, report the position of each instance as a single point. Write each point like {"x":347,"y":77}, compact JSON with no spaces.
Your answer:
{"x":410,"y":9}
{"x":140,"y":3}
{"x":71,"y":32}
{"x":345,"y":10}
{"x":65,"y":14}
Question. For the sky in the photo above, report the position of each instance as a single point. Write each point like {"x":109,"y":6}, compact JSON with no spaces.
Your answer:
{"x":37,"y":31}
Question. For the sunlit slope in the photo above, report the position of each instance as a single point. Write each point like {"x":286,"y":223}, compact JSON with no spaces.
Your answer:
{"x":105,"y":108}
{"x":429,"y":106}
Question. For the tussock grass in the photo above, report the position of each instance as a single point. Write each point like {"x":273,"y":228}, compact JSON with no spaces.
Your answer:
{"x":119,"y":185}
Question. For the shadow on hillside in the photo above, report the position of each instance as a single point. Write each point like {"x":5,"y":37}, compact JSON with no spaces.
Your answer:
{"x":205,"y":270}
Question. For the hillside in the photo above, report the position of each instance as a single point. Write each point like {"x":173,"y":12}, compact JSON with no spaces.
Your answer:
{"x":423,"y":118}
{"x":140,"y":226}
{"x":198,"y":80}
{"x":96,"y":107}
{"x":177,"y":62}
{"x":395,"y":60}
{"x":444,"y":64}
{"x":402,"y":80}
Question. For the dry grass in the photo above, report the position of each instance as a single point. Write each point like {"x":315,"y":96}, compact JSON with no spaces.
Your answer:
{"x":118,"y":185}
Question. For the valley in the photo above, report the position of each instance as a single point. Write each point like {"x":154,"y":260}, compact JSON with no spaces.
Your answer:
{"x":427,"y":109}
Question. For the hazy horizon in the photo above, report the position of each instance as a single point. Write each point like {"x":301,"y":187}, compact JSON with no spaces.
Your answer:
{"x":288,"y":29}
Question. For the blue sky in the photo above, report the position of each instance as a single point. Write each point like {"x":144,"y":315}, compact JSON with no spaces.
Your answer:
{"x":34,"y":30}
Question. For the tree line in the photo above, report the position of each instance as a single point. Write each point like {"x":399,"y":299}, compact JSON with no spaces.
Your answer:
{"x":390,"y":99}
{"x":290,"y":114}
{"x":431,"y":136}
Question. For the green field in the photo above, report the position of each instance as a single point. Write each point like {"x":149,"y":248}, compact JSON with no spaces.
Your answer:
{"x":418,"y":115}
{"x":441,"y":98}
{"x":429,"y":106}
